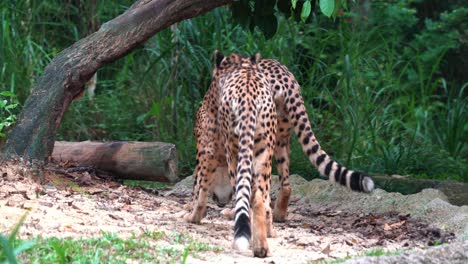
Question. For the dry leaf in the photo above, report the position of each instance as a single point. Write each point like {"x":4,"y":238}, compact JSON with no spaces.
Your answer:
{"x":85,"y":179}
{"x":125,"y":207}
{"x":327,"y":249}
{"x":94,"y":190}
{"x":387,"y":227}
{"x":28,"y":205}
{"x":397,"y":225}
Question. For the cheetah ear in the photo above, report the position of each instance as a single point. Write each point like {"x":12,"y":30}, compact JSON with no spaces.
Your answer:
{"x":255,"y":58}
{"x":218,"y":57}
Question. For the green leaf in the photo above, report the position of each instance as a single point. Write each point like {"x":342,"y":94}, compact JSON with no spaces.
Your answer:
{"x":294,"y":3}
{"x":344,"y":4}
{"x":141,"y":118}
{"x":11,"y":106}
{"x":23,"y":247}
{"x":7,"y":93}
{"x":155,"y":110}
{"x":306,"y":8}
{"x":7,"y":249}
{"x":327,"y":7}
{"x":59,"y":250}
{"x":15,"y":230}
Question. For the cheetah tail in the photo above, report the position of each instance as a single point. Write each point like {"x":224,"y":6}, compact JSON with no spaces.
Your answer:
{"x":242,"y":230}
{"x":335,"y":172}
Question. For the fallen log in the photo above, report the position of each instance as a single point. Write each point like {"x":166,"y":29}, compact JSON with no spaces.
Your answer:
{"x":151,"y":161}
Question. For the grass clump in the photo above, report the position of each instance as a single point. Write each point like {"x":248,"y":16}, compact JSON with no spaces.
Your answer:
{"x":378,"y":252}
{"x":146,"y":184}
{"x":148,"y":247}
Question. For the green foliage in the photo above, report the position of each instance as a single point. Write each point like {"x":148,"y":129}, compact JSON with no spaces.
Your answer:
{"x":109,"y":248}
{"x":146,"y":184}
{"x":383,"y":82}
{"x":262,"y":13}
{"x":8,"y":108}
{"x":10,"y":247}
{"x":377,"y":252}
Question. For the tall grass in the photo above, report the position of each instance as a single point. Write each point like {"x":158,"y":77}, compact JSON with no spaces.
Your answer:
{"x":374,"y":102}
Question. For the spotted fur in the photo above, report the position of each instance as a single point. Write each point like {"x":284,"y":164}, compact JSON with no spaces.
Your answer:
{"x":243,"y":117}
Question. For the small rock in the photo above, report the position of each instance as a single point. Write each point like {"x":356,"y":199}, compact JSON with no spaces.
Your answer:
{"x":116,"y":217}
{"x":46,"y":204}
{"x":124,"y":224}
{"x":351,"y":242}
{"x":12,"y":203}
{"x":140,"y":219}
{"x":31,"y":195}
{"x":29,"y":205}
{"x":49,"y":188}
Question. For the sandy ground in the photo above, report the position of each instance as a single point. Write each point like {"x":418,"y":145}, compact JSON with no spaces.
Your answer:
{"x":82,"y":205}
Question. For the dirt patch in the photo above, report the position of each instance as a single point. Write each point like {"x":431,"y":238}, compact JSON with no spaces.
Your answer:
{"x":79,"y":203}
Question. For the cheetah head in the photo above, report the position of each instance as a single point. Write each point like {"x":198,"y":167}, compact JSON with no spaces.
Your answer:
{"x":225,"y":64}
{"x":221,"y":188}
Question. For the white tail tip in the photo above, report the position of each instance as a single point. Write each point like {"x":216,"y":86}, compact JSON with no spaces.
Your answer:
{"x":241,"y":244}
{"x":368,"y":184}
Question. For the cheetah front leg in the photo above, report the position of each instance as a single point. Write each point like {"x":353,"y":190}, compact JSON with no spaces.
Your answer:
{"x":262,"y":221}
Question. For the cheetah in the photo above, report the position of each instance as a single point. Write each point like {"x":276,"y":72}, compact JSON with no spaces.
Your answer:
{"x":291,"y":113}
{"x":239,"y":120}
{"x":211,"y":169}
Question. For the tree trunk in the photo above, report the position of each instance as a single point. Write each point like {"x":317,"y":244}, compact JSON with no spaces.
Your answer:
{"x":64,"y":78}
{"x":151,"y":161}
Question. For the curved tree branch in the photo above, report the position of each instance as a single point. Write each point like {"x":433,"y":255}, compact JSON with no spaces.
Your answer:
{"x":64,"y":78}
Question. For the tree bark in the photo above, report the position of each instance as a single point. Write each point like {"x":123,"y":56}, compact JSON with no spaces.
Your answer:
{"x":151,"y":161}
{"x":64,"y":78}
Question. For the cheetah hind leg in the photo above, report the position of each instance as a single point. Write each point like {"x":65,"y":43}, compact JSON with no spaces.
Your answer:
{"x":282,"y":150}
{"x":259,"y":227}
